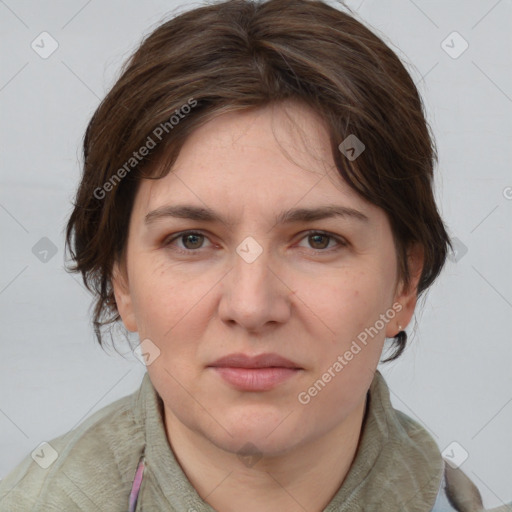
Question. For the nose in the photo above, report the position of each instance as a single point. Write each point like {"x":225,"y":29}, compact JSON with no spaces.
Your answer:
{"x":254,"y":293}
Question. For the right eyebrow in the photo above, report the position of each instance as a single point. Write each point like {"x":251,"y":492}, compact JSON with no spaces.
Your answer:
{"x":291,"y":216}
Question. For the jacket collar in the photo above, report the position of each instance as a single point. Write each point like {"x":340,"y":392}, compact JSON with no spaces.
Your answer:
{"x":397,"y":465}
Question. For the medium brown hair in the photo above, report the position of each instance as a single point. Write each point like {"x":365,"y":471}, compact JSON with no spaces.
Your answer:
{"x":242,"y":54}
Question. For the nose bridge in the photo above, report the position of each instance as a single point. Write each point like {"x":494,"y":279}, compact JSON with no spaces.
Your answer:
{"x":251,"y":268}
{"x":253,"y":295}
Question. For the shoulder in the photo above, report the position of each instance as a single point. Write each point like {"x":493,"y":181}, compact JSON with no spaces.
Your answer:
{"x":83,"y":469}
{"x":457,"y":493}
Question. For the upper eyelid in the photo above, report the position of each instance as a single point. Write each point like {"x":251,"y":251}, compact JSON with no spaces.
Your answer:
{"x":176,"y":236}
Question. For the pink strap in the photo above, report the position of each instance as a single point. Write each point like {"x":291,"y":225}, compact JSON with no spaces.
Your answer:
{"x":137,"y":481}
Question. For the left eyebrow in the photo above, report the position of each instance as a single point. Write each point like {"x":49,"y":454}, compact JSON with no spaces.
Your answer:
{"x":320,"y":213}
{"x":291,"y":216}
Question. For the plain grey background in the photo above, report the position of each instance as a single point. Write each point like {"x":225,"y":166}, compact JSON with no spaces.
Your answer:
{"x":456,"y":376}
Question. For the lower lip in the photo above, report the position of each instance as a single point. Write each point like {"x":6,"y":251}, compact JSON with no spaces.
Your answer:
{"x":255,"y":379}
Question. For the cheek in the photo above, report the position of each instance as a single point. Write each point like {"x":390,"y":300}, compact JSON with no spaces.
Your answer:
{"x":155,"y":299}
{"x":344,"y":303}
{"x":350,"y":333}
{"x":169,"y":303}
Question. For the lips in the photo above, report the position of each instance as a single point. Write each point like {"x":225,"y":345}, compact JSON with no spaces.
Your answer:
{"x":263,"y":372}
{"x":260,"y":361}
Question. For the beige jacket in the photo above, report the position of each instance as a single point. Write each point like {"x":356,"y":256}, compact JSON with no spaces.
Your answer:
{"x":398,"y":466}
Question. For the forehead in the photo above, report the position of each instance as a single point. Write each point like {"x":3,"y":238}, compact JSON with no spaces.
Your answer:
{"x":254,"y":161}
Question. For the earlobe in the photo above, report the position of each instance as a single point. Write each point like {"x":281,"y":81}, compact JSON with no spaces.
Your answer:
{"x":123,"y":298}
{"x":408,"y":297}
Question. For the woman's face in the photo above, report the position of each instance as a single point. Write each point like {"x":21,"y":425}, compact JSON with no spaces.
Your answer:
{"x":259,"y":276}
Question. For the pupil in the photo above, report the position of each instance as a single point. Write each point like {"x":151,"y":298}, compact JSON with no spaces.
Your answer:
{"x":192,"y":237}
{"x":317,"y":237}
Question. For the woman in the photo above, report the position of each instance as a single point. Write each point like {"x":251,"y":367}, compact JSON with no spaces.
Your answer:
{"x":257,"y":205}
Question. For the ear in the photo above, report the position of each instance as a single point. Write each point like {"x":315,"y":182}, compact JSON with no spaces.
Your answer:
{"x":123,"y":297}
{"x":407,"y":297}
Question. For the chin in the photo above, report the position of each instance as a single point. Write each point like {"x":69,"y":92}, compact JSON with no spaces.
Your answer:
{"x":244,"y":444}
{"x":259,"y":433}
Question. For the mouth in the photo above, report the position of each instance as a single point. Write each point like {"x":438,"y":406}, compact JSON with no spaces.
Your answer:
{"x":255,"y":373}
{"x":255,"y":379}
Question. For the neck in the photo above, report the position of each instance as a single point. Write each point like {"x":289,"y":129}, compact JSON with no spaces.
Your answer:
{"x":306,"y":477}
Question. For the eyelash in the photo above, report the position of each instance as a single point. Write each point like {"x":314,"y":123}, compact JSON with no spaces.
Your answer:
{"x":168,"y":241}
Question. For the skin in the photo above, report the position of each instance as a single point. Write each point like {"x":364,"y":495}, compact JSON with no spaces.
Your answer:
{"x":305,"y":297}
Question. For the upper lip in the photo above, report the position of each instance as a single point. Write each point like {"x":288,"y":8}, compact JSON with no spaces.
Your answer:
{"x":259,"y":361}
